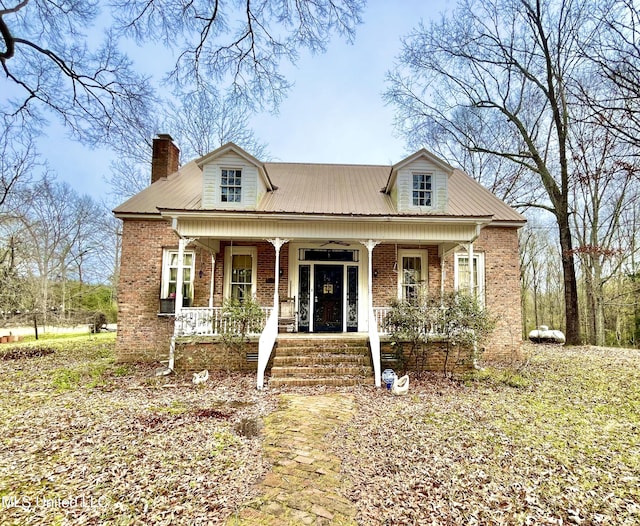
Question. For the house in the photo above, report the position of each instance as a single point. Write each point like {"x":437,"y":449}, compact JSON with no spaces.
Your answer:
{"x":334,"y":243}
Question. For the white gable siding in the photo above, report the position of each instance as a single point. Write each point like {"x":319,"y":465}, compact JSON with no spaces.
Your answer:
{"x":404,"y":187}
{"x":251,"y":187}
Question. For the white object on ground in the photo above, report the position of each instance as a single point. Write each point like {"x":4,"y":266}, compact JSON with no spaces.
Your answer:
{"x":543,"y":335}
{"x":201,"y":377}
{"x":400,"y":386}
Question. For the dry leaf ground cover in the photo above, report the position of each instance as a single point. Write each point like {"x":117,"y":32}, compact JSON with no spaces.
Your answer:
{"x":556,"y":443}
{"x":88,"y":441}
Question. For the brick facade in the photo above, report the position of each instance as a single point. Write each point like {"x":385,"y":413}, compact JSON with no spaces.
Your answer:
{"x":502,"y":291}
{"x":433,"y":357}
{"x":144,"y":335}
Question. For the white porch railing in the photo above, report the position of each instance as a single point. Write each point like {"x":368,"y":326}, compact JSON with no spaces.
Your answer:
{"x":209,"y":321}
{"x":380,"y":314}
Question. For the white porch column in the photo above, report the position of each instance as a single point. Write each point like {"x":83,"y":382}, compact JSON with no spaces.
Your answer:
{"x":374,"y":337}
{"x":270,"y":332}
{"x":277,"y":244}
{"x":472,"y":284}
{"x":182,"y":243}
{"x":370,"y":244}
{"x":213,"y":278}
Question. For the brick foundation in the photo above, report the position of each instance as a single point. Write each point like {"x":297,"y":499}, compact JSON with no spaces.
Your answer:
{"x":430,"y":357}
{"x":209,"y":353}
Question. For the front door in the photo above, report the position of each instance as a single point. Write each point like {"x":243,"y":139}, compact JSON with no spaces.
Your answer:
{"x":328,"y":298}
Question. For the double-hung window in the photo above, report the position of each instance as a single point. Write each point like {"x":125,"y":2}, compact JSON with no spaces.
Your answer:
{"x":231,"y":186}
{"x":170,"y":265}
{"x":463,"y":274}
{"x":422,"y":189}
{"x":412,"y":274}
{"x":240,"y":273}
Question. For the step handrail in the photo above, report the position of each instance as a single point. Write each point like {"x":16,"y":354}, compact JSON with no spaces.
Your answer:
{"x":374,"y":344}
{"x":265,"y":345}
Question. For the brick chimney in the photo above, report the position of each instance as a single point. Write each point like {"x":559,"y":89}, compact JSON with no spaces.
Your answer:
{"x":165,"y":157}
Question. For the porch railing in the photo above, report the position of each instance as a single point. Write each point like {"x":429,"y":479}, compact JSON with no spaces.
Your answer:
{"x":210,"y":321}
{"x":380,"y":314}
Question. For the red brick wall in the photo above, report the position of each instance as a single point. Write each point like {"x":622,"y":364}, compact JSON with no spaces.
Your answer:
{"x":432,"y":357}
{"x":143,"y":335}
{"x":210,"y":354}
{"x":502,"y":284}
{"x":385,"y":285}
{"x":502,"y":291}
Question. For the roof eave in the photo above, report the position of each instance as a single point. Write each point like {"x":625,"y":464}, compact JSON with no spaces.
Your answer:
{"x":260,"y":215}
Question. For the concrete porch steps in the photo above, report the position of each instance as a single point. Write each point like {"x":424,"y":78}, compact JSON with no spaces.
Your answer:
{"x":321,"y":360}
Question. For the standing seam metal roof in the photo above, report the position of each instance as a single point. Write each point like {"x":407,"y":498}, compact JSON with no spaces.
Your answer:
{"x":329,"y":189}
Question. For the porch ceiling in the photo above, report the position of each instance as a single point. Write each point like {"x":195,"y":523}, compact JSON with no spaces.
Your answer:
{"x":344,"y":229}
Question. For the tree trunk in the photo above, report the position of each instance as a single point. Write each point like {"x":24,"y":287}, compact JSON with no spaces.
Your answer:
{"x":598,"y":311}
{"x":572,"y":314}
{"x":590,"y":303}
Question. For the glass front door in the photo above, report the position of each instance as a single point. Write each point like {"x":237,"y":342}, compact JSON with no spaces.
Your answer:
{"x":328,"y":298}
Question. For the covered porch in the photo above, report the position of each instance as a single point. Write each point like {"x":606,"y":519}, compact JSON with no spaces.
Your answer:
{"x":326,"y":282}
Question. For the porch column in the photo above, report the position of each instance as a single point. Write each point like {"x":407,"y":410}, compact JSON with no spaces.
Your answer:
{"x":213,"y":278}
{"x":374,"y":336}
{"x":472,"y":284}
{"x":442,"y":255}
{"x":370,"y":244}
{"x":182,"y":243}
{"x":277,"y":244}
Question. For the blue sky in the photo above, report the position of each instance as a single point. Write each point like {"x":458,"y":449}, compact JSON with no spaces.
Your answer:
{"x":333,"y":114}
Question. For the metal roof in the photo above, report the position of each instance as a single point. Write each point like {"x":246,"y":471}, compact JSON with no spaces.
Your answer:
{"x":328,"y":189}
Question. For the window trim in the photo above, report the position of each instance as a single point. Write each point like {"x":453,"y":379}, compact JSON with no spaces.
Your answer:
{"x":423,"y":254}
{"x":240,"y":251}
{"x":427,"y":193}
{"x":234,"y":187}
{"x":478,"y":261}
{"x":165,"y":278}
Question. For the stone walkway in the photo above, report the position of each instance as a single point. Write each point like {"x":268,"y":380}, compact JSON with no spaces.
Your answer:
{"x":302,"y":487}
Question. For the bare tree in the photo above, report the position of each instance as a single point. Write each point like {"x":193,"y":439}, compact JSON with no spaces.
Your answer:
{"x":615,"y":51}
{"x":207,"y":119}
{"x":508,"y":65}
{"x":605,"y":184}
{"x":58,"y":235}
{"x":240,"y":42}
{"x":49,"y":66}
{"x":203,"y":121}
{"x":18,"y":159}
{"x":54,"y":64}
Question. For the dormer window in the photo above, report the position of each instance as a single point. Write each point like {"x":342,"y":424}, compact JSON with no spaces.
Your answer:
{"x":422,"y":189}
{"x":231,"y":186}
